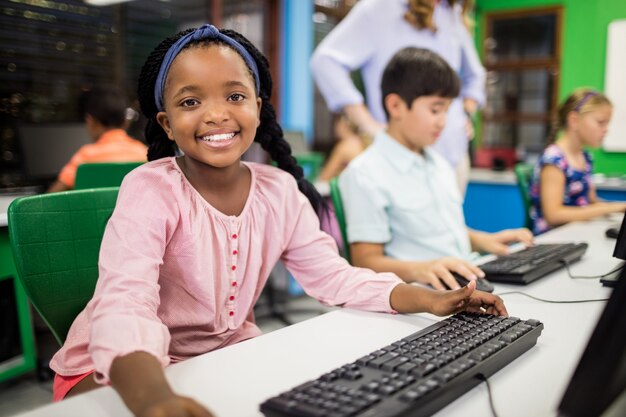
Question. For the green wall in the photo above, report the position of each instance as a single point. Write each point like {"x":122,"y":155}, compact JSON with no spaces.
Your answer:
{"x":583,"y":50}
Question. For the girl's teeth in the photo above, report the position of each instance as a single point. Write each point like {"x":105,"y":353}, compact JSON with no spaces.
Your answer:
{"x":216,"y":138}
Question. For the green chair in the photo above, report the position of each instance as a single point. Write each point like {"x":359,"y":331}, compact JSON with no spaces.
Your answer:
{"x":523,"y":174}
{"x":335,"y":196}
{"x":55,"y":239}
{"x":105,"y":174}
{"x":311,"y":163}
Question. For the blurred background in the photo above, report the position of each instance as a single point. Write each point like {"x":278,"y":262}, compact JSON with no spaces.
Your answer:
{"x":535,"y":53}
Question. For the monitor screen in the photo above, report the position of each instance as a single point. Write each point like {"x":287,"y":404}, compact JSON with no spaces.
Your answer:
{"x":600,"y":377}
{"x":46,"y":148}
{"x":620,"y":245}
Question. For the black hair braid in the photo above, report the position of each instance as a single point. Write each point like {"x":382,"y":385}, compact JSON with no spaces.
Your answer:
{"x":270,"y":135}
{"x":159,"y":145}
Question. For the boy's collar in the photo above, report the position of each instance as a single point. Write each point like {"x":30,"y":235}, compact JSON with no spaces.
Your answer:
{"x":399,"y":155}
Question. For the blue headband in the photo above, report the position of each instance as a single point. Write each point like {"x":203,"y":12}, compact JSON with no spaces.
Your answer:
{"x":583,"y":100}
{"x":206,"y":31}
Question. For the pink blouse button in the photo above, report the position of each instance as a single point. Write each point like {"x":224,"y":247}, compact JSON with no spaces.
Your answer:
{"x":233,"y":267}
{"x":235,"y":252}
{"x":234,"y":284}
{"x":231,"y":313}
{"x":234,"y":236}
{"x":231,"y":298}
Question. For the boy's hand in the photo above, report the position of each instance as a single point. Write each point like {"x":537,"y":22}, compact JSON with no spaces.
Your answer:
{"x":497,"y":243}
{"x":467,"y":299}
{"x":439,"y":271}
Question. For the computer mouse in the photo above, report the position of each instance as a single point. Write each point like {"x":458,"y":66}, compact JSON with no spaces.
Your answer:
{"x":481,"y":283}
{"x":612,"y":232}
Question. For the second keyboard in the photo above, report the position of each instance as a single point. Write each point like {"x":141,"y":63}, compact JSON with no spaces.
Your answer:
{"x":533,"y":262}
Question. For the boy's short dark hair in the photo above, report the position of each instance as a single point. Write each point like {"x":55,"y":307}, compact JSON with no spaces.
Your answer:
{"x":106,"y":104}
{"x":415,"y":72}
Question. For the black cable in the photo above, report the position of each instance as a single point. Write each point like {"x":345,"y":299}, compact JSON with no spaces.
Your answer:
{"x":553,"y":301}
{"x":491,"y":405}
{"x":567,"y":264}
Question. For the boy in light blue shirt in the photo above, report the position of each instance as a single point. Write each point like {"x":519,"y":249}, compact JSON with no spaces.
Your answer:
{"x":403,"y":208}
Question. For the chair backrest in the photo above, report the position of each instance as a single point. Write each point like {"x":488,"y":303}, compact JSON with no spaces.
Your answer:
{"x":311,"y":163}
{"x":102,"y":174}
{"x":55,"y":240}
{"x":335,"y":196}
{"x":523,"y":174}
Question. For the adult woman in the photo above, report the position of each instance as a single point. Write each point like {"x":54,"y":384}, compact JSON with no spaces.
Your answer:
{"x":366,"y":39}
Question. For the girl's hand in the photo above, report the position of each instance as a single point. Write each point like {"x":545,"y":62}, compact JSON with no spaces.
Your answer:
{"x":467,"y":299}
{"x":175,"y":406}
{"x":139,"y":379}
{"x":616,"y":206}
{"x":438,"y":272}
{"x":497,"y":243}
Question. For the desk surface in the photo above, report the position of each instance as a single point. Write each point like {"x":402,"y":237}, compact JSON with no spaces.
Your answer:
{"x":5,"y":201}
{"x":233,"y":381}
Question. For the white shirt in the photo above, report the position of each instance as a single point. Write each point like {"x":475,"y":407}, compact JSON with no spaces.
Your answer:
{"x":406,"y":201}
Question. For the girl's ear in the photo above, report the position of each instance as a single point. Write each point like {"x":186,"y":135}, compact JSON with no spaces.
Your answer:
{"x":572,"y":119}
{"x":259,"y":104}
{"x":395,"y":105}
{"x":164,"y":122}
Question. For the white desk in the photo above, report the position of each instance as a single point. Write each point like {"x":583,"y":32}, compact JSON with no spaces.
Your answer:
{"x":7,"y":198}
{"x":233,"y":381}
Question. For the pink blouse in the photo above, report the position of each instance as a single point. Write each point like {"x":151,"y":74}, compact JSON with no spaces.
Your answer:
{"x":178,"y":278}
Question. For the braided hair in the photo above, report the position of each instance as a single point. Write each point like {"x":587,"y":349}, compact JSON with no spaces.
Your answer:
{"x":269,"y":134}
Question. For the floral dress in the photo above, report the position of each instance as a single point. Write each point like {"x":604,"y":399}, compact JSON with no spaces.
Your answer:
{"x":577,"y":184}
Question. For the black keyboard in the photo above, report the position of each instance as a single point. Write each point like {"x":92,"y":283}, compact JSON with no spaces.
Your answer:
{"x":414,"y":376}
{"x":533,"y":262}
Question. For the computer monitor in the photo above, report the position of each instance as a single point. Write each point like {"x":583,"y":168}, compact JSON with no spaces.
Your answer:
{"x":598,"y":386}
{"x":46,"y":148}
{"x":620,"y":245}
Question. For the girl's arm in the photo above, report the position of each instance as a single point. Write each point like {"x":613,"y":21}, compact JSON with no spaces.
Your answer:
{"x":343,"y":152}
{"x":435,"y":272}
{"x":593,"y":195}
{"x":555,"y":212}
{"x":413,"y":299}
{"x":139,"y":379}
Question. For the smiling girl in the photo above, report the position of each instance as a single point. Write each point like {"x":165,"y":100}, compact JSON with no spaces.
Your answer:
{"x":194,"y":237}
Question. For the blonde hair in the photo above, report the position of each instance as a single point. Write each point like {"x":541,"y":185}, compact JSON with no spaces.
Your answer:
{"x":582,"y":100}
{"x":420,"y":13}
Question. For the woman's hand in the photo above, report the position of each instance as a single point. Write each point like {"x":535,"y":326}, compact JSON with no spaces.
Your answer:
{"x":438,"y":272}
{"x":467,"y":299}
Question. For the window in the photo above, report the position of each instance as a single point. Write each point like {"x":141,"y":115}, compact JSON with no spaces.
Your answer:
{"x":522,"y":50}
{"x":51,"y":50}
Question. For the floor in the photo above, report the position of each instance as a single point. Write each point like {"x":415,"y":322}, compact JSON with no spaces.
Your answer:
{"x":28,"y":392}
